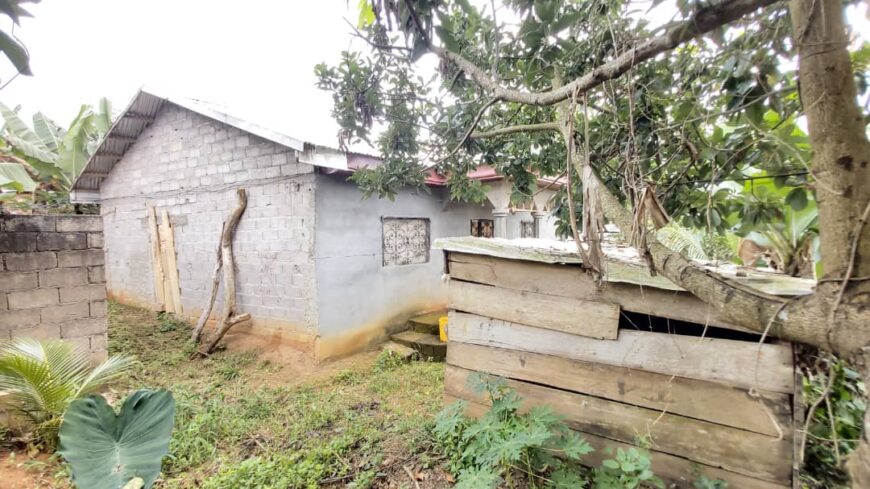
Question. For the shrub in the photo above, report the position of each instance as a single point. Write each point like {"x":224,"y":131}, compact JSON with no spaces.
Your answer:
{"x":43,"y":378}
{"x":503,"y":443}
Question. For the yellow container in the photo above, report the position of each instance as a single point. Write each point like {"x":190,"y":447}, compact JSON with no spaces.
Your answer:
{"x":442,"y":328}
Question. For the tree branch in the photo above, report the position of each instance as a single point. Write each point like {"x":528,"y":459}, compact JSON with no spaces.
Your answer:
{"x":501,"y":131}
{"x":702,"y":22}
{"x":469,"y":131}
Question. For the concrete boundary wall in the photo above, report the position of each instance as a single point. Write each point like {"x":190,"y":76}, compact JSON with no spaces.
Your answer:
{"x":52,"y":280}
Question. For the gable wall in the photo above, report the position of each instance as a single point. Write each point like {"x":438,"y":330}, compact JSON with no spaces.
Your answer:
{"x":192,"y":165}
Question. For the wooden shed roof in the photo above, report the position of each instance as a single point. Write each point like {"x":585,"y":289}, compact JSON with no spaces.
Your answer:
{"x":623,"y":263}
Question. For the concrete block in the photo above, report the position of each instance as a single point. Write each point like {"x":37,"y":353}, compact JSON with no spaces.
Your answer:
{"x":12,"y":320}
{"x":82,"y":343}
{"x":22,"y":262}
{"x":65,"y":312}
{"x":95,"y":240}
{"x":90,"y":224}
{"x":98,"y":309}
{"x":13,"y":242}
{"x":40,"y":332}
{"x":29,"y":299}
{"x":28,"y":223}
{"x":93,"y":292}
{"x":3,"y":305}
{"x":18,"y":280}
{"x":82,"y":327}
{"x":97,"y":275}
{"x":99,"y":342}
{"x":80,"y":258}
{"x":61,"y":241}
{"x":63,"y":276}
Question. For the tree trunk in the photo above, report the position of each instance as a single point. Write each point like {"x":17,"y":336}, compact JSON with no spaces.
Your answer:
{"x":841,"y":154}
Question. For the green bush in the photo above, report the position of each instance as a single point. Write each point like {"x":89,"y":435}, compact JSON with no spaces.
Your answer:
{"x":504,"y":444}
{"x":43,"y":378}
{"x":280,"y":471}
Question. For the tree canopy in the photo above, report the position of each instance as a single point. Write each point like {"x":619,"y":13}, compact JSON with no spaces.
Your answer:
{"x":699,"y":116}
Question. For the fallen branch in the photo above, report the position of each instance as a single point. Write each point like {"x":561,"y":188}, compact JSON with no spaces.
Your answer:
{"x":228,"y":317}
{"x":215,"y":284}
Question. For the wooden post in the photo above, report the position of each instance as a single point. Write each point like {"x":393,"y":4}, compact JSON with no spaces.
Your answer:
{"x":156,"y":259}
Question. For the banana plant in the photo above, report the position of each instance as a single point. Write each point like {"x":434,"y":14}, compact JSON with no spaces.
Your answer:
{"x":117,"y":451}
{"x":54,"y":155}
{"x":10,"y":45}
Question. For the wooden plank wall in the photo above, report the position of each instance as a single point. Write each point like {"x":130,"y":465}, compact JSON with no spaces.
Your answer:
{"x":720,"y":406}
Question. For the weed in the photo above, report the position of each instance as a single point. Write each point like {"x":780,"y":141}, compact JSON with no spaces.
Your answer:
{"x":629,"y":469}
{"x":387,"y":360}
{"x":504,"y":444}
{"x":169,"y":322}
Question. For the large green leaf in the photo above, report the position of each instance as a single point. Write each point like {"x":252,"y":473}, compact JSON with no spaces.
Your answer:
{"x":14,"y":175}
{"x":107,"y":451}
{"x":23,"y":138}
{"x":16,"y":52}
{"x":49,"y":132}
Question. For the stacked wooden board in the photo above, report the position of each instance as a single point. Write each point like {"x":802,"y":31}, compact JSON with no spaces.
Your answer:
{"x":710,"y":405}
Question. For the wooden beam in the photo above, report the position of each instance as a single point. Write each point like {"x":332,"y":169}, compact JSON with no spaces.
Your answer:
{"x":768,"y":414}
{"x":138,"y":117}
{"x":743,"y":452}
{"x":678,"y":470}
{"x":576,"y":316}
{"x":743,"y":364}
{"x":123,"y":139}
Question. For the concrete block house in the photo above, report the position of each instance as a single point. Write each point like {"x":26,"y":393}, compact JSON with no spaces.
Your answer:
{"x":319,"y":268}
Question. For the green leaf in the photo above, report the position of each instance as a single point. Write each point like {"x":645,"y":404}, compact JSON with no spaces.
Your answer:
{"x":107,"y":451}
{"x":48,"y":131}
{"x":611,"y":464}
{"x":366,"y":14}
{"x":14,"y":10}
{"x":14,"y":175}
{"x":16,"y":52}
{"x":23,"y":138}
{"x":797,"y":198}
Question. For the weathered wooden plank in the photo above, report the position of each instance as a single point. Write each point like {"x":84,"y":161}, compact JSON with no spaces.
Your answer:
{"x":698,"y":399}
{"x":572,"y":281}
{"x":579,"y":317}
{"x":623,"y":263}
{"x":744,"y":452}
{"x":673,"y":469}
{"x":156,"y":259}
{"x":170,"y":261}
{"x":737,"y":363}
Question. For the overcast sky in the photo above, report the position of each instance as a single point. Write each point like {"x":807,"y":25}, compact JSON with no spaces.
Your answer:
{"x":255,"y":57}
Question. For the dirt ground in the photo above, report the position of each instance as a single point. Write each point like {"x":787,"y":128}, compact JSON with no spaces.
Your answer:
{"x":356,"y":422}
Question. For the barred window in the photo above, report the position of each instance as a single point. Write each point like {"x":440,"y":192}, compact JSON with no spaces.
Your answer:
{"x":406,"y":240}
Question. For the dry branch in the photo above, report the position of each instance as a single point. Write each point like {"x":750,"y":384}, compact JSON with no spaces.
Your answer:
{"x":215,"y":284}
{"x":228,"y":317}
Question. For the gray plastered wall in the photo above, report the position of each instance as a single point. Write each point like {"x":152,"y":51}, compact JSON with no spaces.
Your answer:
{"x":191,"y":166}
{"x":358,"y":297}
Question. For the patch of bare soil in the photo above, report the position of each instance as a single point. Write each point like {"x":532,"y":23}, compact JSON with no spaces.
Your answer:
{"x":293,"y":366}
{"x":18,"y":470}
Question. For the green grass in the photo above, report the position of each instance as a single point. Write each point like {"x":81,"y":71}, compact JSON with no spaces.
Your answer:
{"x":242,"y":422}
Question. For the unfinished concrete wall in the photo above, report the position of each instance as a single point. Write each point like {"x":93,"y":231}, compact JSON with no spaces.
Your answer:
{"x":349,"y":246}
{"x":191,"y":165}
{"x":52,"y":284}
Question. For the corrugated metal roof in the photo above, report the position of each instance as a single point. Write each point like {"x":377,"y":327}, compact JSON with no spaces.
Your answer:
{"x":142,"y":111}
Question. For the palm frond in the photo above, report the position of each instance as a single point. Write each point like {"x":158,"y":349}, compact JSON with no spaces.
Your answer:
{"x":41,"y":379}
{"x":682,"y":240}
